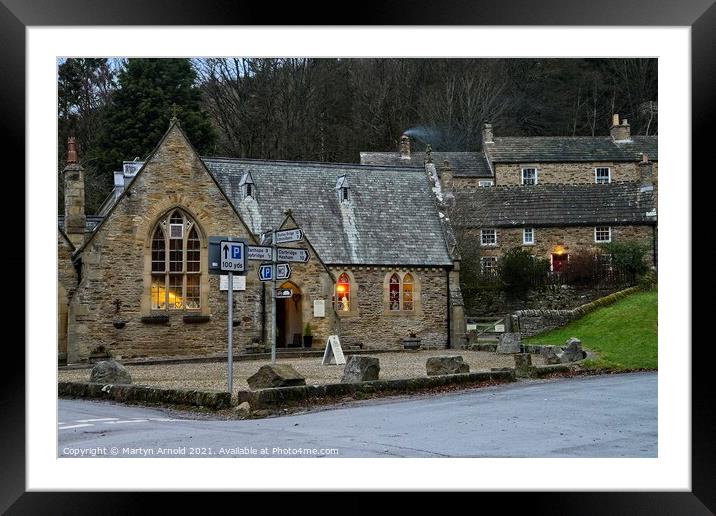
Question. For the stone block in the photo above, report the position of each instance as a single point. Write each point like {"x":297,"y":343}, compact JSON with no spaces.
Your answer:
{"x":510,"y":343}
{"x":572,"y":351}
{"x":551,"y":354}
{"x":275,"y":375}
{"x":448,"y":364}
{"x":361,"y":368}
{"x":110,"y":372}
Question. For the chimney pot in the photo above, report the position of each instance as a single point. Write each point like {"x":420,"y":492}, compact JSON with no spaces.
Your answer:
{"x":615,"y":119}
{"x":625,"y":122}
{"x":487,"y":134}
{"x":404,"y":147}
{"x":71,"y":150}
{"x":620,"y":132}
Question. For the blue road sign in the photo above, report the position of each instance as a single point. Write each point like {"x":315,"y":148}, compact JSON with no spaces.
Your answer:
{"x":266,"y":272}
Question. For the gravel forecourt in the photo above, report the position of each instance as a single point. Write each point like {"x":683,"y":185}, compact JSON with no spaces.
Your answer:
{"x":212,"y":375}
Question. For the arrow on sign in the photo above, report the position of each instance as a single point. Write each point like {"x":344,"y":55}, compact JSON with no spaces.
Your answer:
{"x":283,"y":271}
{"x":288,"y":254}
{"x":226,"y":251}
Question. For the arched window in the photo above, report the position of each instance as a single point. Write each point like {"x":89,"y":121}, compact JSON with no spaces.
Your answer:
{"x":176,"y":275}
{"x":408,"y":292}
{"x":343,"y":293}
{"x":394,"y":292}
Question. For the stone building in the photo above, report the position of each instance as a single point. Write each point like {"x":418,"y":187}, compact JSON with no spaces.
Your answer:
{"x":134,"y":280}
{"x":551,"y":195}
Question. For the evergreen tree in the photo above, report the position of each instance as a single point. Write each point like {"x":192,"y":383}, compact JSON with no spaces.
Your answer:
{"x":150,"y":91}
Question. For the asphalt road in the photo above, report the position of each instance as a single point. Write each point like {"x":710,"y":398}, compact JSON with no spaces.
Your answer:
{"x":598,"y":416}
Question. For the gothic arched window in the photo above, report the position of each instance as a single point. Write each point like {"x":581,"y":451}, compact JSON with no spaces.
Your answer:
{"x":343,"y":293}
{"x":408,"y":292}
{"x":176,"y":275}
{"x":394,"y":292}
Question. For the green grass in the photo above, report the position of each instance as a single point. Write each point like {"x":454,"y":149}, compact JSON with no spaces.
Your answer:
{"x":623,"y":334}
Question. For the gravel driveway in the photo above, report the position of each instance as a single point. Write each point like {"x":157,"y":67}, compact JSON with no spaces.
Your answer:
{"x":212,"y":376}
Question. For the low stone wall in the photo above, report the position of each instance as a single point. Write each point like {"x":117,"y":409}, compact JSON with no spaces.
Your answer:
{"x":532,"y":322}
{"x":143,"y":394}
{"x":269,"y":398}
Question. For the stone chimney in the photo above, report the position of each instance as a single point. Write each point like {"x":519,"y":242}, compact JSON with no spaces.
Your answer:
{"x":404,"y":147}
{"x":74,"y":196}
{"x":487,"y":134}
{"x":446,"y":176}
{"x":646,"y":170}
{"x":620,"y":131}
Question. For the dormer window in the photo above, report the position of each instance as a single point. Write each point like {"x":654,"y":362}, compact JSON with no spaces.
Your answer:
{"x":342,"y":189}
{"x":248,"y":187}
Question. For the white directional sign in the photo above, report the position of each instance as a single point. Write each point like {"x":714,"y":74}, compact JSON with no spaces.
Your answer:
{"x":289,"y":235}
{"x":258,"y":252}
{"x":283,"y":293}
{"x":233,"y":256}
{"x":287,"y":254}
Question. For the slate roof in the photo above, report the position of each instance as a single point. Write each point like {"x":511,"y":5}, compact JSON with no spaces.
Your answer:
{"x":391,"y":219}
{"x":554,"y":205}
{"x":464,"y":164}
{"x":576,"y":148}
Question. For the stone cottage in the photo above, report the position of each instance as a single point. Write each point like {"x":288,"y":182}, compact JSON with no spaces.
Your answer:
{"x":133,"y":280}
{"x":551,"y":195}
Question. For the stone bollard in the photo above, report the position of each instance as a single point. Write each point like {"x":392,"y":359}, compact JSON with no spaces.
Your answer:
{"x":523,"y":364}
{"x":446,"y":364}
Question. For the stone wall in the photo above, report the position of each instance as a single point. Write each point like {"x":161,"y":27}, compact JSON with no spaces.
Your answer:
{"x":372,"y":324}
{"x":566,"y":173}
{"x":116,"y":264}
{"x":532,"y":322}
{"x":571,"y":238}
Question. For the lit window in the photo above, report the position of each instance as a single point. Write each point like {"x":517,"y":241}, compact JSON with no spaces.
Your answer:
{"x":343,"y":293}
{"x":488,"y":237}
{"x":394,"y":292}
{"x":602,"y":175}
{"x":408,"y":292}
{"x":176,"y":275}
{"x":528,"y":236}
{"x":488,"y":264}
{"x":529,"y":176}
{"x":602,"y":234}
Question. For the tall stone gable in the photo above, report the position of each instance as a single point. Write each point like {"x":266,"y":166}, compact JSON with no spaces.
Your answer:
{"x":112,"y":305}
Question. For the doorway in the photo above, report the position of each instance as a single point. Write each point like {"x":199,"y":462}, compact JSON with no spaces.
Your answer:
{"x":289,"y":318}
{"x":559,"y":261}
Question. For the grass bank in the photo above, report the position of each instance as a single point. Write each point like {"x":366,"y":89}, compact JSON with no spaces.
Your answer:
{"x":623,"y":334}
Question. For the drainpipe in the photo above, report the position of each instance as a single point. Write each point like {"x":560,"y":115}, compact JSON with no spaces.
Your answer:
{"x":653,"y":244}
{"x":449,"y":309}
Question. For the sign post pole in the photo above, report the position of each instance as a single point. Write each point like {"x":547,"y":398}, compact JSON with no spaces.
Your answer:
{"x":273,"y":297}
{"x":231,"y":332}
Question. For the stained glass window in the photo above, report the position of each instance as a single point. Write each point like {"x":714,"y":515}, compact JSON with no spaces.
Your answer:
{"x":394,"y":292}
{"x":343,"y":293}
{"x":408,"y":292}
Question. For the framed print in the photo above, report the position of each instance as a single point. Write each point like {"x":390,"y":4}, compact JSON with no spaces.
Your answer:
{"x":36,"y":37}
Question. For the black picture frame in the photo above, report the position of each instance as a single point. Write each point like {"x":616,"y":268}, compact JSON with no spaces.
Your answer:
{"x":700,"y":15}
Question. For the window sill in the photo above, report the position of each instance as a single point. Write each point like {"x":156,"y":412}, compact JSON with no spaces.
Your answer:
{"x":155,"y":319}
{"x":197,"y":319}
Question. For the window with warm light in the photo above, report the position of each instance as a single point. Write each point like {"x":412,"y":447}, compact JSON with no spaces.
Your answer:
{"x":176,"y":274}
{"x":408,"y":292}
{"x":343,"y":293}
